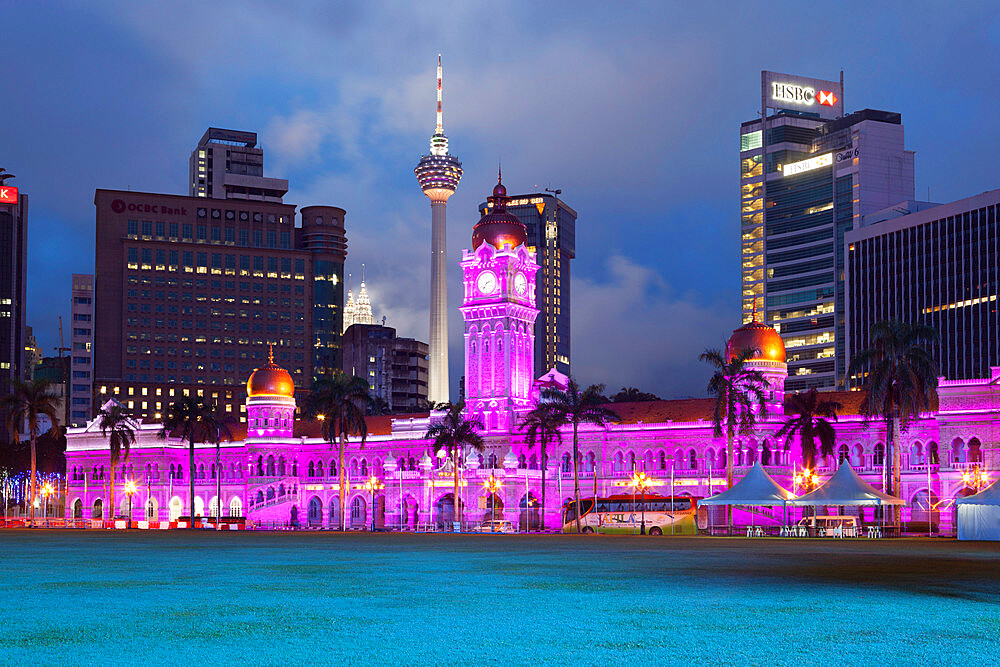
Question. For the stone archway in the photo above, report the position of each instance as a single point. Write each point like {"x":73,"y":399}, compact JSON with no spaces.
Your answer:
{"x":444,"y":511}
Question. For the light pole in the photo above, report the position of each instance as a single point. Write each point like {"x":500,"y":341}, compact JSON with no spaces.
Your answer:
{"x":130,"y":490}
{"x":976,"y":479}
{"x":492,"y":486}
{"x":47,"y":491}
{"x":372,"y":484}
{"x":641,"y":482}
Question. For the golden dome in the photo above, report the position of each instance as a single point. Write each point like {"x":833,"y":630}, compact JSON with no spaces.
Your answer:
{"x":271,"y":380}
{"x":757,"y":336}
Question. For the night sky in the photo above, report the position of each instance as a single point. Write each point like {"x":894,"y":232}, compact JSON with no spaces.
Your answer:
{"x":633,"y":111}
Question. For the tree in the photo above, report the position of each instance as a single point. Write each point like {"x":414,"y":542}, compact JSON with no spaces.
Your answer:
{"x":575,"y":407}
{"x":900,"y":382}
{"x":541,"y":425}
{"x":27,"y":402}
{"x":453,"y":432}
{"x":631,"y":394}
{"x":340,"y":402}
{"x":739,"y":395}
{"x":188,"y":418}
{"x":113,"y":419}
{"x":811,"y":423}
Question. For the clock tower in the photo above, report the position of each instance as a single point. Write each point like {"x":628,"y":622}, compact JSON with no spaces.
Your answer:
{"x":499,"y":312}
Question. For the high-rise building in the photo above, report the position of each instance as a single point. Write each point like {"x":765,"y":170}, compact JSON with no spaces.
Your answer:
{"x":81,"y":389}
{"x":937,"y":265}
{"x":551,"y":226}
{"x":189,"y":293}
{"x":395,"y":368}
{"x":809,"y":174}
{"x":32,"y":353}
{"x":13,"y":276}
{"x":438,"y":174}
{"x":499,"y":312}
{"x":228,"y":164}
{"x":360,"y":311}
{"x":56,"y":371}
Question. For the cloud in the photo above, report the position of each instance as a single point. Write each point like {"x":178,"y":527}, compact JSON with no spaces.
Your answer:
{"x":633,"y":329}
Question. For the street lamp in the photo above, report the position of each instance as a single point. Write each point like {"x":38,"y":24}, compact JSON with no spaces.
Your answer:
{"x":492,"y":486}
{"x":47,"y":491}
{"x":641,"y":482}
{"x":806,"y":479}
{"x":975,"y":479}
{"x":130,"y":490}
{"x":372,"y":484}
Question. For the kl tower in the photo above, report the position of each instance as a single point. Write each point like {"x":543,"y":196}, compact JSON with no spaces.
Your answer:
{"x":438,"y":175}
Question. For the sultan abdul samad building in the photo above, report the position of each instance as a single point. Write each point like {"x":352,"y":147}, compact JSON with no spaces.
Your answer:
{"x":279,"y":470}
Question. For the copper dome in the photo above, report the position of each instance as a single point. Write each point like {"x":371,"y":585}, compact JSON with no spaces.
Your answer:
{"x":498,"y":227}
{"x":761,"y":338}
{"x":271,"y":380}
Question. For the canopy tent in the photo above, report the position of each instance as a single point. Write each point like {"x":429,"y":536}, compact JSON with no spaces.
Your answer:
{"x":979,"y":515}
{"x":757,"y":488}
{"x":845,"y":488}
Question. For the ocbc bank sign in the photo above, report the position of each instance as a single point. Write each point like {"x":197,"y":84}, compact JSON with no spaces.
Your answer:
{"x":120,"y":206}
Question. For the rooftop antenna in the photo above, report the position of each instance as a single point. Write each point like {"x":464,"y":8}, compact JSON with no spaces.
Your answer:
{"x":270,"y":353}
{"x":440,"y":114}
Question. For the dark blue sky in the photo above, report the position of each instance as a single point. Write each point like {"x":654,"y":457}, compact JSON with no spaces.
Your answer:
{"x":633,"y":110}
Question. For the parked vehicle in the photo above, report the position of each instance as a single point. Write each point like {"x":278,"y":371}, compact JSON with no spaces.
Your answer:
{"x":494,"y":526}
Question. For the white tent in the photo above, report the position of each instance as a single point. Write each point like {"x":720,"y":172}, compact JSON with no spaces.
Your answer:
{"x":846,"y":488}
{"x":757,"y":489}
{"x":979,"y":515}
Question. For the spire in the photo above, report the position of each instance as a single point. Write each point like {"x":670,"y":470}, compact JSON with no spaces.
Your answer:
{"x":439,"y":142}
{"x":440,"y":115}
{"x":270,"y":353}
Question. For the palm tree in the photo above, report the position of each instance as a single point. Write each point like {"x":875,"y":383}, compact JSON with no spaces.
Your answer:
{"x":811,"y":423}
{"x":900,"y":382}
{"x":216,"y":426}
{"x":541,"y":425}
{"x":341,"y":402}
{"x":24,"y":405}
{"x":452,"y":433}
{"x":114,"y":419}
{"x":737,"y":391}
{"x":187,"y":418}
{"x":575,"y":407}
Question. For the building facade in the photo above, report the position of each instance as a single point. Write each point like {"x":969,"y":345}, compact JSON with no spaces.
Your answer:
{"x":81,"y":390}
{"x":32,"y":353}
{"x":13,"y":279}
{"x":937,"y":266}
{"x":808,"y":175}
{"x":278,"y":471}
{"x":189,"y":293}
{"x":228,"y":164}
{"x":395,"y":368}
{"x":551,"y":225}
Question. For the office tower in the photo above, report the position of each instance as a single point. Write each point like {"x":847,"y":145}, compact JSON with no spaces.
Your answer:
{"x":13,"y":274}
{"x":228,"y":164}
{"x":438,"y":174}
{"x":551,"y":226}
{"x":360,"y":311}
{"x":808,"y":179}
{"x":32,"y":353}
{"x":933,"y":264}
{"x":395,"y":368}
{"x":190,"y":292}
{"x":81,"y":350}
{"x":57,"y":371}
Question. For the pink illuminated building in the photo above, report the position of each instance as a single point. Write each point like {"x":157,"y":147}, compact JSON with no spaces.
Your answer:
{"x":278,"y":471}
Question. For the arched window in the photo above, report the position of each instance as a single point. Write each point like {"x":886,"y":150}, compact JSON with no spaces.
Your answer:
{"x":333,"y":468}
{"x":567,"y":463}
{"x":412,"y":464}
{"x":172,"y":471}
{"x":591,"y":462}
{"x":618,"y":464}
{"x":493,"y":461}
{"x":260,"y":466}
{"x":975,"y":454}
{"x":958,"y":451}
{"x":879,"y":458}
{"x":533,"y":462}
{"x":364,"y":467}
{"x":631,"y":460}
{"x":312,"y":470}
{"x":357,"y":508}
{"x":932,"y":452}
{"x":281,"y":466}
{"x":295,"y":468}
{"x":842,"y":454}
{"x":235,"y":507}
{"x":201,"y":471}
{"x":260,"y":497}
{"x":213,"y":471}
{"x":180,"y":471}
{"x":271,"y":470}
{"x":692,"y":459}
{"x":522,"y":462}
{"x":401,"y":463}
{"x":270,"y":492}
{"x":663,"y":460}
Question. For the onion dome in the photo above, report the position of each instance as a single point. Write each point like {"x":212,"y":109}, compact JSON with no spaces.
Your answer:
{"x":498,"y":227}
{"x":270,"y":380}
{"x":761,"y":338}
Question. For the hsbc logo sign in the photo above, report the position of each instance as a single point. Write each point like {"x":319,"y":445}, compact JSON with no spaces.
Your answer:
{"x":8,"y":194}
{"x":804,"y":95}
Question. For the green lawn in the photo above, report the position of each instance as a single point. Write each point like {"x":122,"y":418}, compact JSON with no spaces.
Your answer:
{"x":172,"y":597}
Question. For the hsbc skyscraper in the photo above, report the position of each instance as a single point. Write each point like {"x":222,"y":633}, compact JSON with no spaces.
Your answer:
{"x":808,"y":173}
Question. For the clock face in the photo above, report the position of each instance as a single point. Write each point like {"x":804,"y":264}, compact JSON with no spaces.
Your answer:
{"x":520,"y":284}
{"x":487,"y":282}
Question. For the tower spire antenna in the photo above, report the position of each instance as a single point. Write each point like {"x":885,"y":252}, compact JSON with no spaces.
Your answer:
{"x":440,"y":114}
{"x":270,"y":353}
{"x":499,"y":171}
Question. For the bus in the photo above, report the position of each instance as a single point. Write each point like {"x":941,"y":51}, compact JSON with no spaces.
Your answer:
{"x":623,"y":514}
